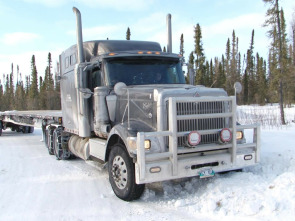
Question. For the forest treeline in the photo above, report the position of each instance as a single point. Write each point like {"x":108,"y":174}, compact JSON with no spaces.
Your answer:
{"x":264,"y":80}
{"x":33,"y":93}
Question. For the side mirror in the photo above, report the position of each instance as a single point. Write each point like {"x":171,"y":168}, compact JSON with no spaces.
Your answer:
{"x":120,"y":88}
{"x":238,"y":87}
{"x":86,"y":92}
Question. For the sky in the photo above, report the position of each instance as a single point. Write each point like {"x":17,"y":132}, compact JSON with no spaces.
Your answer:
{"x":37,"y":27}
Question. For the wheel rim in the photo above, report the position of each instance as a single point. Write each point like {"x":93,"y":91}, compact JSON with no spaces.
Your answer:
{"x":119,"y":172}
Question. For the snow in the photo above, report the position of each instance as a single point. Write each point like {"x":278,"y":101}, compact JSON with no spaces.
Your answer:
{"x":36,"y":186}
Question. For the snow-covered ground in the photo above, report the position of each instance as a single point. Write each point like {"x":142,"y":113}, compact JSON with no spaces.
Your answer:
{"x":35,"y":186}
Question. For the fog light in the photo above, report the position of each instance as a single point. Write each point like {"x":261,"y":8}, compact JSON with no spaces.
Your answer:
{"x":194,"y":138}
{"x":248,"y":157}
{"x":225,"y":135}
{"x":155,"y":169}
{"x":239,"y":135}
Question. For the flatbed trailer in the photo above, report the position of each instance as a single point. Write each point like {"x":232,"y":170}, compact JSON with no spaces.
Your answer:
{"x":23,"y":121}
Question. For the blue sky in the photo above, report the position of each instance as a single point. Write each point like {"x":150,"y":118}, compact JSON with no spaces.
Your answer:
{"x":40,"y":26}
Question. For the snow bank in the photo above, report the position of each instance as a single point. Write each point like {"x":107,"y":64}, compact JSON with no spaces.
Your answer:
{"x":35,"y":186}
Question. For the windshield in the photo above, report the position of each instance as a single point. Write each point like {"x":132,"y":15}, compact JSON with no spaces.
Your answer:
{"x":140,"y":71}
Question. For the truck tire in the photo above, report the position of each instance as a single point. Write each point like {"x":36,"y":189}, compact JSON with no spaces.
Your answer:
{"x":31,"y":130}
{"x":60,"y":153}
{"x":25,"y":130}
{"x":18,"y":129}
{"x":49,"y":143}
{"x":122,"y":174}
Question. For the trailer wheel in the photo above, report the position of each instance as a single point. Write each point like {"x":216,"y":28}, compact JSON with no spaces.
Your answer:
{"x":25,"y":130}
{"x":60,"y":153}
{"x":31,"y":130}
{"x":122,"y":174}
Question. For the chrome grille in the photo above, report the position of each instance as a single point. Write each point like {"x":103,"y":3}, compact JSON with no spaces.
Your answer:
{"x":197,"y":108}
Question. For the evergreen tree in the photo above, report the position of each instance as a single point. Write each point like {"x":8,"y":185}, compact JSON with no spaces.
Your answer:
{"x":200,"y":57}
{"x":261,"y":81}
{"x":227,"y":65}
{"x":33,"y":103}
{"x":211,"y":74}
{"x":57,"y":101}
{"x":250,"y":73}
{"x":128,"y":34}
{"x":11,"y":89}
{"x":164,"y":49}
{"x":245,"y":83}
{"x":42,"y":93}
{"x":20,"y":95}
{"x":49,"y":86}
{"x":191,"y":74}
{"x":181,"y":52}
{"x":274,"y":21}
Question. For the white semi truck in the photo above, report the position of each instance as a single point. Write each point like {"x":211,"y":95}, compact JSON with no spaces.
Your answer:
{"x":125,"y":104}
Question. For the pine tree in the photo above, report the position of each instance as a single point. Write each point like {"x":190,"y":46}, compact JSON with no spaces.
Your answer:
{"x":128,"y":34}
{"x":250,"y":73}
{"x":191,"y":74}
{"x":261,"y":81}
{"x":20,"y":96}
{"x":11,"y":89}
{"x":33,"y":93}
{"x":181,"y":51}
{"x":227,"y":65}
{"x":211,"y":74}
{"x":245,"y":87}
{"x":274,"y":21}
{"x":57,"y":101}
{"x":200,"y":57}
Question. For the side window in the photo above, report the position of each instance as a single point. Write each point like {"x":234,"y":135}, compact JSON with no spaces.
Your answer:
{"x":96,"y":79}
{"x":67,"y":63}
{"x":73,"y":59}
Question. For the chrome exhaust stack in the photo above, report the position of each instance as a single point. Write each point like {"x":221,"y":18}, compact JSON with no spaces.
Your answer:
{"x":169,"y":34}
{"x":81,"y":58}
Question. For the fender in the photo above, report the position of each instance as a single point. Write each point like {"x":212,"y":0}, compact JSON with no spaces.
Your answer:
{"x":120,"y":133}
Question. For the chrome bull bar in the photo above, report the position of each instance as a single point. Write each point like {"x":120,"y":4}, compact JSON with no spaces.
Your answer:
{"x":173,"y":151}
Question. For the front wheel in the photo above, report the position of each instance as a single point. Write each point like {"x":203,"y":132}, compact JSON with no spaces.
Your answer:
{"x":122,"y":174}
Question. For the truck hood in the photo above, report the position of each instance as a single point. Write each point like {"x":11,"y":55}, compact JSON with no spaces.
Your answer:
{"x":175,"y":90}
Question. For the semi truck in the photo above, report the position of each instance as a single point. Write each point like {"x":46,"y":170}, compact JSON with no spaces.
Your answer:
{"x":126,"y":105}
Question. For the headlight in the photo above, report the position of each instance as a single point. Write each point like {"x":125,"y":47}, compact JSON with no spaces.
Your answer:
{"x":131,"y":141}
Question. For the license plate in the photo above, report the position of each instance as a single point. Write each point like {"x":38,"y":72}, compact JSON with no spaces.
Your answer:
{"x":207,"y":173}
